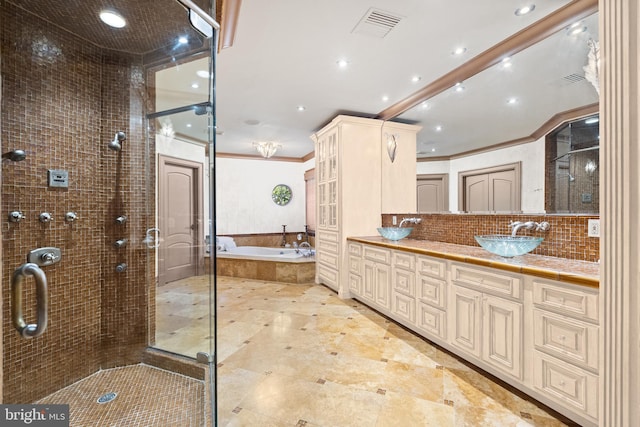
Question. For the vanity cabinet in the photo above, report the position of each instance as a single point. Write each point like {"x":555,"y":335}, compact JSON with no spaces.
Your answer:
{"x":431,"y":290}
{"x":486,"y":317}
{"x":351,"y":195}
{"x":403,"y":288}
{"x":541,"y":336}
{"x":376,"y":280}
{"x":566,"y":345}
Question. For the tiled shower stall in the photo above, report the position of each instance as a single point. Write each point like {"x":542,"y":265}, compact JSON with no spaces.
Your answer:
{"x":63,"y":100}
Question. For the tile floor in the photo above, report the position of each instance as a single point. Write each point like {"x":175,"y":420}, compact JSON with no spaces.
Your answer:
{"x":297,"y":355}
{"x":146,"y":396}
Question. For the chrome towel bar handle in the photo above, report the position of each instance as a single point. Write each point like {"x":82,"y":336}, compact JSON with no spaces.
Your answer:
{"x":42,"y":300}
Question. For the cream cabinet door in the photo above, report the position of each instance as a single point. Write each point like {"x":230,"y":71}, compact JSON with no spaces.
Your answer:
{"x":465,"y":319}
{"x":383,"y":286}
{"x":502,"y":339}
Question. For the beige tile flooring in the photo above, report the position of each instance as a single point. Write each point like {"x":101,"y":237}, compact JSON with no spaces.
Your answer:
{"x":297,"y":355}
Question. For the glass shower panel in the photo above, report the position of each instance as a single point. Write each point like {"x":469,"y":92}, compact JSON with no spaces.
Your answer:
{"x":76,"y":100}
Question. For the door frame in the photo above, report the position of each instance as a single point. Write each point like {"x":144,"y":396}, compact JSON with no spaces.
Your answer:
{"x":463,"y":175}
{"x":198,"y":208}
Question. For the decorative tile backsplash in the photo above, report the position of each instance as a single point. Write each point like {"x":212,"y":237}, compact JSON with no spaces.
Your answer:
{"x":566,"y":238}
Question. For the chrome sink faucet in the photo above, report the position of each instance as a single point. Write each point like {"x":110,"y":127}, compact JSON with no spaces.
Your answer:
{"x":410,"y":220}
{"x":529,"y":225}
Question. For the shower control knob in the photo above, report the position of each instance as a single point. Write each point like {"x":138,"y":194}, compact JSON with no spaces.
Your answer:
{"x":121,"y":268}
{"x":120,"y":243}
{"x":49,"y":257}
{"x":16,"y":216}
{"x":121,"y":219}
{"x":70,"y":216}
{"x":45,"y":217}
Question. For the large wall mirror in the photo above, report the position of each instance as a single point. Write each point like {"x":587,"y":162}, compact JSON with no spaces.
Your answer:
{"x":521,"y":99}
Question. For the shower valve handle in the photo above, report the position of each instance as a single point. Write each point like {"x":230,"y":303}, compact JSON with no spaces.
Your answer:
{"x":16,"y":216}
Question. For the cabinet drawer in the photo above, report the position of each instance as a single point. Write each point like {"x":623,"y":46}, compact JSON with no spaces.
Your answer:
{"x":404,"y":260}
{"x":566,"y":384}
{"x":327,"y":275}
{"x":327,"y":246}
{"x":566,"y":338}
{"x":329,"y":259}
{"x":432,"y":291}
{"x":404,"y":307}
{"x":327,"y":236}
{"x":355,"y":249}
{"x":432,"y":320}
{"x":571,"y":300}
{"x":499,"y":284}
{"x":431,"y":267}
{"x":404,"y":282}
{"x":355,"y":265}
{"x":377,"y":254}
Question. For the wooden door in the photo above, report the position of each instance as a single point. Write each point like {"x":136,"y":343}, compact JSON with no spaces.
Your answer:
{"x":477,"y":193}
{"x":495,"y":189}
{"x":502,"y":191}
{"x":179,"y":218}
{"x":432,"y":193}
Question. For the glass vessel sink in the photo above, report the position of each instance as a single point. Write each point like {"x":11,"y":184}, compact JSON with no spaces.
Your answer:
{"x":394,"y":233}
{"x":508,"y":246}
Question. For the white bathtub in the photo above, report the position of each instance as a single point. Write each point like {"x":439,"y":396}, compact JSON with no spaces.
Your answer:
{"x":257,"y":252}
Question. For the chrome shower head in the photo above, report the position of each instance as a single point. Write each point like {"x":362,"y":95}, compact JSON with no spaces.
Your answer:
{"x":15,"y":155}
{"x":116,"y":145}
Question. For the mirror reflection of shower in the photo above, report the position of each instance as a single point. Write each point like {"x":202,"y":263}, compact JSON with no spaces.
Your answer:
{"x":116,"y":144}
{"x":574,"y":167}
{"x":15,"y":155}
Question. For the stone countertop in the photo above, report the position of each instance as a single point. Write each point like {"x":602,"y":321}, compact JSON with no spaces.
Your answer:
{"x":562,"y":269}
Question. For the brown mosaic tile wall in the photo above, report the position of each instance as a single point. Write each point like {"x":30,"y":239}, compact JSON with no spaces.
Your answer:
{"x":566,"y":238}
{"x":62,"y":102}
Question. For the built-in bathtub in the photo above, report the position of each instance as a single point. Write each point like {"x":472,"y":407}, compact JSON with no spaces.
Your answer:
{"x":272,"y":264}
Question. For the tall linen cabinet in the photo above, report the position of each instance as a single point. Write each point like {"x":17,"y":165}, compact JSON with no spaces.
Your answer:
{"x":356,"y":182}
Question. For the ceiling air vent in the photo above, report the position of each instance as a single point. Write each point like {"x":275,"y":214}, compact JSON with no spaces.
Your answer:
{"x":377,"y":23}
{"x":573,"y":78}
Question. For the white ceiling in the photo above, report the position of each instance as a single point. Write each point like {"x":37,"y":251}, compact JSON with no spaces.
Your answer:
{"x":285,"y":55}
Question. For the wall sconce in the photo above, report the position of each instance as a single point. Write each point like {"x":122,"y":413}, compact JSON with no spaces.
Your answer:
{"x":266,"y":149}
{"x":590,"y":167}
{"x":392,"y":145}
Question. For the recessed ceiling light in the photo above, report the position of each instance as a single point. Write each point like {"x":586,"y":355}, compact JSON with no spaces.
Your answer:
{"x":188,"y":125}
{"x":433,"y":150}
{"x":506,"y":62}
{"x":512,"y":101}
{"x":438,"y":128}
{"x":385,"y":98}
{"x":458,"y":87}
{"x":524,"y":10}
{"x":591,"y":120}
{"x":183,"y":40}
{"x":203,"y":73}
{"x":576,"y":29}
{"x":195,"y":85}
{"x":424,"y":105}
{"x":416,"y":79}
{"x":342,"y":63}
{"x":459,"y":50}
{"x":112,"y":19}
{"x":301,"y":108}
